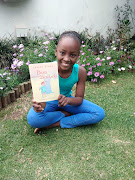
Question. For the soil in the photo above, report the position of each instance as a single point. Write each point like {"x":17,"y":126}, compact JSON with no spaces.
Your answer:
{"x":19,"y":108}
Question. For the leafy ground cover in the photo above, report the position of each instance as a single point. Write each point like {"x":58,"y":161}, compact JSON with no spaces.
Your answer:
{"x":102,"y":151}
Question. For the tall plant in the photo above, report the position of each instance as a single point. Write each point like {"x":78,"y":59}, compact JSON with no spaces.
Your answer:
{"x":125,"y":22}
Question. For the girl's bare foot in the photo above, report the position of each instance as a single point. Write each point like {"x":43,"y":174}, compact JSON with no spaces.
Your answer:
{"x":57,"y":124}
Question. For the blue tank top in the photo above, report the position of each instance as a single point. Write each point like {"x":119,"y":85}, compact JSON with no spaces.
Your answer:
{"x":66,"y":84}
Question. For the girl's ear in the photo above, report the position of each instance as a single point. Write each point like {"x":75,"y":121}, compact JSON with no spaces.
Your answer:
{"x":56,"y":52}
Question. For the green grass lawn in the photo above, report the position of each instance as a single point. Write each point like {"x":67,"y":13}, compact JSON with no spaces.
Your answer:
{"x":102,"y":151}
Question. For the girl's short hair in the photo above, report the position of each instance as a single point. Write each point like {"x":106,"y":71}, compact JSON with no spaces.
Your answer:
{"x":72,"y":34}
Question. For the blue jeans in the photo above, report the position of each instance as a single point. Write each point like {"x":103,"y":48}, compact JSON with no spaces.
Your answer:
{"x":84,"y":114}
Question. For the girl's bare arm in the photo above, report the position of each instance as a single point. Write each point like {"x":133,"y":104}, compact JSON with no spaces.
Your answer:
{"x":38,"y":107}
{"x":80,"y":89}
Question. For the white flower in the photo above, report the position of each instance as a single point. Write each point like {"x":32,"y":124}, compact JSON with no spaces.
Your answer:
{"x":125,"y":49}
{"x":4,"y":74}
{"x":114,"y":48}
{"x":13,"y":66}
{"x":118,"y":40}
{"x":121,"y":48}
{"x":101,"y":52}
{"x":113,"y":42}
{"x":1,"y":88}
{"x":1,"y":75}
{"x":103,"y":59}
{"x":119,"y":69}
{"x":7,"y":78}
{"x":108,"y":58}
{"x":20,"y":63}
{"x":122,"y":68}
{"x":15,"y":62}
{"x":130,"y":66}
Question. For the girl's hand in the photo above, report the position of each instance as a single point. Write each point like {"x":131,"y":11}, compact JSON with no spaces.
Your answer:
{"x":63,"y":100}
{"x":38,"y":107}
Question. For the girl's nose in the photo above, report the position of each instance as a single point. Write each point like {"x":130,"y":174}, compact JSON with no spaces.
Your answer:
{"x":66,"y":58}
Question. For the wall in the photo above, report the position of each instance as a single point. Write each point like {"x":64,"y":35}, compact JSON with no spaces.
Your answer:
{"x":58,"y":15}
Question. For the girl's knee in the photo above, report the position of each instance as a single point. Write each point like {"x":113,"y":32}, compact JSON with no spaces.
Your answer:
{"x":32,"y":118}
{"x":101,"y":114}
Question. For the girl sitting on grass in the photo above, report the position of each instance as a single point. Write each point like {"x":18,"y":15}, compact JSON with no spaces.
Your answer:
{"x":67,"y":111}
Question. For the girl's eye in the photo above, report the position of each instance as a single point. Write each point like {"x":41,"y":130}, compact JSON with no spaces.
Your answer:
{"x":62,"y":53}
{"x":72,"y":55}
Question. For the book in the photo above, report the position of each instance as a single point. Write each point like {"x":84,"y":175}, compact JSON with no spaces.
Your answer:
{"x":44,"y":81}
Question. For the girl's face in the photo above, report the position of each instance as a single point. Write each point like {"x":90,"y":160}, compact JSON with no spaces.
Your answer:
{"x":67,"y":53}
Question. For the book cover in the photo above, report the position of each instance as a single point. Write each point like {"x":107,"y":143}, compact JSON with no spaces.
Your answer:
{"x":44,"y":81}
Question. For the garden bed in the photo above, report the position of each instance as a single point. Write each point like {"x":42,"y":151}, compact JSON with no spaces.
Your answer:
{"x":11,"y":96}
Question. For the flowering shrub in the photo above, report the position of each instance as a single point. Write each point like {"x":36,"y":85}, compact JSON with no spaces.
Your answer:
{"x":43,"y":51}
{"x":112,"y":59}
{"x":108,"y":61}
{"x":7,"y":81}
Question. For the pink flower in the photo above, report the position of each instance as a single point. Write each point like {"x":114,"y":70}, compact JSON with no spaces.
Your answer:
{"x":83,"y":45}
{"x":89,"y":49}
{"x":89,"y":73}
{"x":21,"y":55}
{"x":46,"y":34}
{"x":118,"y":60}
{"x":108,"y":58}
{"x":111,"y":63}
{"x":87,"y":56}
{"x":83,"y":53}
{"x":46,"y":42}
{"x":40,"y":55}
{"x":83,"y":65}
{"x":20,"y":46}
{"x":98,"y":64}
{"x":84,"y":60}
{"x":94,"y":66}
{"x":20,"y":63}
{"x":96,"y":74}
{"x":95,"y":80}
{"x":4,"y":74}
{"x":21,"y":50}
{"x":14,"y":54}
{"x":98,"y":58}
{"x":36,"y":51}
{"x":88,"y":64}
{"x":14,"y":46}
{"x":82,"y":42}
{"x":90,"y":69}
{"x":28,"y":62}
{"x":15,"y":61}
{"x":52,"y":38}
{"x":102,"y":76}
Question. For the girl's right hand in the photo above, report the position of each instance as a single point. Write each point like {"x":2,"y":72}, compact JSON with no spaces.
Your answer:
{"x":38,"y":107}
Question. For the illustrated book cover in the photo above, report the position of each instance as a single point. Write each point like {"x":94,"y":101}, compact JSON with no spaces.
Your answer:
{"x":44,"y":81}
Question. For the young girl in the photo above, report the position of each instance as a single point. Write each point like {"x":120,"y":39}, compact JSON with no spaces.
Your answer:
{"x":67,"y":111}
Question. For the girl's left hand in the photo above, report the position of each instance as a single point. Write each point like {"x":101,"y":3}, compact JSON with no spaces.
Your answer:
{"x":63,"y":100}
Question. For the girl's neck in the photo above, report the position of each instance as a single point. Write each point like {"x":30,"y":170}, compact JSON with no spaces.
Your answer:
{"x":64,"y":74}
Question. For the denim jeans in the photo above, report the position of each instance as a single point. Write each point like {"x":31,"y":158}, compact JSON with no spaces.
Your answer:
{"x":84,"y":114}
